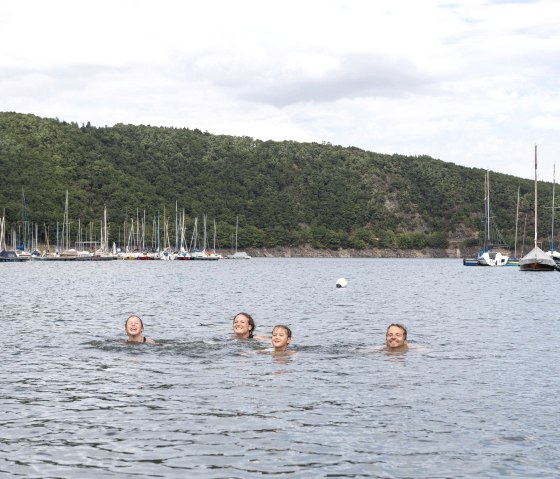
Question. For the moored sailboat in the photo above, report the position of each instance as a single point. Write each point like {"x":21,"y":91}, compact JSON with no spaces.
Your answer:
{"x":5,"y":254}
{"x":488,"y":257}
{"x":536,"y":259}
{"x":514,"y":260}
{"x":237,"y":254}
{"x":555,"y":255}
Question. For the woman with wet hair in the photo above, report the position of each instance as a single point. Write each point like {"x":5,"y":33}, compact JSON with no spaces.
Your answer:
{"x":244,"y":327}
{"x":134,"y":328}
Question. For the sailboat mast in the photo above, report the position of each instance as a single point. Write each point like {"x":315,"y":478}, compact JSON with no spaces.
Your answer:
{"x":105,"y":231}
{"x":236,"y":228}
{"x":516,"y":221}
{"x":552,"y":227}
{"x":157,"y":241}
{"x":176,"y":226}
{"x":66,"y":226}
{"x":2,"y":239}
{"x":205,"y":237}
{"x":488,"y":239}
{"x":214,"y":246}
{"x":535,"y":196}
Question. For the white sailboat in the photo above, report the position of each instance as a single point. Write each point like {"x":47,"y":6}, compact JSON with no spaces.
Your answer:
{"x":514,"y":260}
{"x":213,"y":254}
{"x":183,"y":253}
{"x":104,"y":252}
{"x":487,"y":257}
{"x":536,"y":259}
{"x":5,"y":254}
{"x":196,"y":252}
{"x":555,"y":255}
{"x":238,"y":254}
{"x":3,"y":233}
{"x":65,"y":251}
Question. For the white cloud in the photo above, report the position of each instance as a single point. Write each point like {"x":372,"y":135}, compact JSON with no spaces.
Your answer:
{"x":546,"y":122}
{"x":471,"y":82}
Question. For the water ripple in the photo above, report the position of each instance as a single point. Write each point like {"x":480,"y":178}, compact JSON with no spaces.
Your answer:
{"x":475,"y":396}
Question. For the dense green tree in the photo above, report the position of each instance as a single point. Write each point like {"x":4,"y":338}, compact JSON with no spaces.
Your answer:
{"x":285,"y":193}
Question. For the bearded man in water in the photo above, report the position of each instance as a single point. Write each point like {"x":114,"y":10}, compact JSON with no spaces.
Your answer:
{"x":395,"y":339}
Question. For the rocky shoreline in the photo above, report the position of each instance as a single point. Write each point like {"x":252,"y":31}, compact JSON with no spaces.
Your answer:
{"x":308,"y":252}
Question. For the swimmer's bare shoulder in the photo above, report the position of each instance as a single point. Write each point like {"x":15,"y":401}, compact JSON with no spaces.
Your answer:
{"x":261,"y":338}
{"x":283,"y":353}
{"x":419,"y":348}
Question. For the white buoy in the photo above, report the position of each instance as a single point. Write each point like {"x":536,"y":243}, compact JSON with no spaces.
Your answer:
{"x":341,"y":283}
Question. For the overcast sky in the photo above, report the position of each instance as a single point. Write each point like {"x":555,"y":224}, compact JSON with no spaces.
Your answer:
{"x":472,"y":82}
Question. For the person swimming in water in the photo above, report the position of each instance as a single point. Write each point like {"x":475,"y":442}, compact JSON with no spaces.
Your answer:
{"x":395,"y":338}
{"x":134,"y":328}
{"x":281,"y":337}
{"x":244,"y":327}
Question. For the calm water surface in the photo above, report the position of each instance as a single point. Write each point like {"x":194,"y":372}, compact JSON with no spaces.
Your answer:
{"x":477,"y":398}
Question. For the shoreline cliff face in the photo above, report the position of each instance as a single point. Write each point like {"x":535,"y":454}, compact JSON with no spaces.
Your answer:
{"x":308,"y":252}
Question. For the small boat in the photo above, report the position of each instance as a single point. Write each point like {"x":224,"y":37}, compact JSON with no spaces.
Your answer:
{"x":555,"y":255}
{"x":145,"y":256}
{"x":512,"y":261}
{"x":536,"y":259}
{"x":244,"y":255}
{"x":183,"y":255}
{"x":241,"y":254}
{"x":11,"y":257}
{"x":24,"y":255}
{"x":487,"y":257}
{"x":470,"y":262}
{"x":491,"y":258}
{"x":6,"y":255}
{"x":205,"y":256}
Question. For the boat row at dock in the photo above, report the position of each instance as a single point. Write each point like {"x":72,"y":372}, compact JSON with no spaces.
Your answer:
{"x":74,"y":255}
{"x":27,"y":248}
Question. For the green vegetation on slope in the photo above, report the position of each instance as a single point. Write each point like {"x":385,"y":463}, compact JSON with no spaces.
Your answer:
{"x":285,"y":193}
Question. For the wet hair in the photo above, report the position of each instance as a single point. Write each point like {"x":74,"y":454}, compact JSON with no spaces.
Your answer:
{"x":398,"y":325}
{"x":251,"y":322}
{"x":285,"y":328}
{"x":134,"y":316}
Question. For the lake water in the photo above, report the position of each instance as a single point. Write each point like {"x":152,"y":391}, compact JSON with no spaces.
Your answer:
{"x":477,"y":398}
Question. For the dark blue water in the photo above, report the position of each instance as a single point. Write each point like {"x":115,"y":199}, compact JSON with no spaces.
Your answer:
{"x":476,"y":397}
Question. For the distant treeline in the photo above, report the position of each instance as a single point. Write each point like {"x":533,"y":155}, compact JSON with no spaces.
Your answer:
{"x":284,"y":193}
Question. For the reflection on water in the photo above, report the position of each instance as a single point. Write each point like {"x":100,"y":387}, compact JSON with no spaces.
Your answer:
{"x":475,"y":395}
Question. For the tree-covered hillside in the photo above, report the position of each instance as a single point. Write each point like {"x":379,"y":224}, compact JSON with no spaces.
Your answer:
{"x":285,"y":193}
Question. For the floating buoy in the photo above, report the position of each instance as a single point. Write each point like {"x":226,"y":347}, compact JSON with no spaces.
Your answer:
{"x":341,"y":283}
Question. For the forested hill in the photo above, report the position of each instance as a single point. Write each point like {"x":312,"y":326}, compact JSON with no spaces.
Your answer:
{"x":285,"y":193}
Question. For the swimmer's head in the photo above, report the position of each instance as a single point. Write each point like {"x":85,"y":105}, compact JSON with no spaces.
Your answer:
{"x":281,"y":337}
{"x":243,"y":325}
{"x":133,"y":325}
{"x":395,"y":336}
{"x":284,"y":328}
